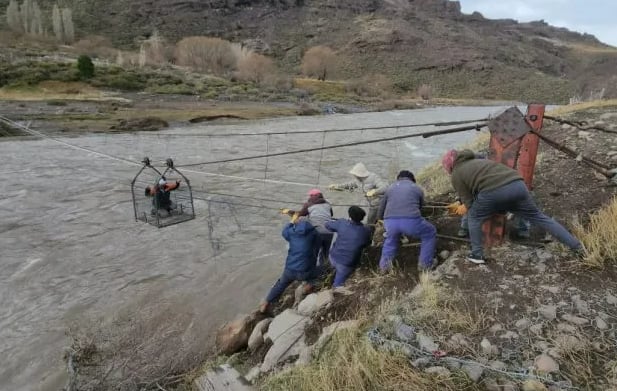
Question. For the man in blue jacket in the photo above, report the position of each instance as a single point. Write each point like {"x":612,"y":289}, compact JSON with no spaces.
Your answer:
{"x":351,"y":238}
{"x":400,"y":210}
{"x":300,"y":264}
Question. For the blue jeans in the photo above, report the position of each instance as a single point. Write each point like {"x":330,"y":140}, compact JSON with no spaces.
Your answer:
{"x":342,"y":272}
{"x":416,"y":227}
{"x":515,"y":198}
{"x":287,"y":278}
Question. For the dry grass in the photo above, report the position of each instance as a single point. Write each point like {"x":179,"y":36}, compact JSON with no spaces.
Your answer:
{"x":327,"y":87}
{"x":600,"y":236}
{"x":442,"y":310}
{"x":592,"y":49}
{"x":146,"y":347}
{"x":50,"y":90}
{"x":583,"y":106}
{"x":349,"y":362}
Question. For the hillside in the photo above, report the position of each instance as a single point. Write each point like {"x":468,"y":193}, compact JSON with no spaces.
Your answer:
{"x":410,"y":41}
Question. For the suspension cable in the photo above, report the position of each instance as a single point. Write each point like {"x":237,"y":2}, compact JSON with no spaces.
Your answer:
{"x":476,"y":127}
{"x":581,"y":125}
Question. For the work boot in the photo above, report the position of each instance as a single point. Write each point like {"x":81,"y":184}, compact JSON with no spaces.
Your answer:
{"x":427,"y":268}
{"x":462,"y":233}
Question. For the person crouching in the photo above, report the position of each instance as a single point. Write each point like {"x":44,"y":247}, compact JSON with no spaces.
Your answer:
{"x":351,"y":238}
{"x":300,"y":264}
{"x":400,"y":210}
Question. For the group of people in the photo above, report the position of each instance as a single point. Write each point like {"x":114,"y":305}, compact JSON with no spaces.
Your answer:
{"x":484,"y":187}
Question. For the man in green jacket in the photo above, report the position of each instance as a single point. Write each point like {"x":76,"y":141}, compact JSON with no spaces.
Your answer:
{"x":487,"y":187}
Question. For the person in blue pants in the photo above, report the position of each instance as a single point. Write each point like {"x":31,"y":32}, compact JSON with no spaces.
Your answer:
{"x":400,"y":210}
{"x":300,"y":264}
{"x":351,"y":238}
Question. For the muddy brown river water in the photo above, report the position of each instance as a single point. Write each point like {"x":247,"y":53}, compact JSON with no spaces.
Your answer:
{"x":71,"y":248}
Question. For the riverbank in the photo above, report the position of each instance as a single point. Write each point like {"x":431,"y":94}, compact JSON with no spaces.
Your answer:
{"x":534,"y":318}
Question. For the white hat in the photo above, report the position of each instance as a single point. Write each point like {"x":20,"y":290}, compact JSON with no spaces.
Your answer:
{"x":359,"y":170}
{"x":162,"y":182}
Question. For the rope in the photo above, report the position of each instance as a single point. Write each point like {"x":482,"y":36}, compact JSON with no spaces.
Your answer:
{"x":437,"y":124}
{"x":351,"y":144}
{"x":323,"y":141}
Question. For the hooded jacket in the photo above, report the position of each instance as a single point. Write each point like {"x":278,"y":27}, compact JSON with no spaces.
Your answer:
{"x":470,"y":176}
{"x":351,"y":239}
{"x":318,"y":210}
{"x":371,"y":182}
{"x":303,"y":239}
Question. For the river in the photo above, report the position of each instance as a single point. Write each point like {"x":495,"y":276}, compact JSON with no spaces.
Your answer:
{"x":71,"y":248}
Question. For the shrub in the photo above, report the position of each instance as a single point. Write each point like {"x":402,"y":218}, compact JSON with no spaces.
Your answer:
{"x":213,"y":55}
{"x":600,"y":236}
{"x":95,"y":46}
{"x":255,"y":68}
{"x":85,"y":66}
{"x":319,"y":61}
{"x":372,"y":85}
{"x":425,"y":92}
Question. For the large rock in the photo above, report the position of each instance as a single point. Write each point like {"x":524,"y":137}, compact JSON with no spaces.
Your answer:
{"x":222,"y":378}
{"x":546,"y":364}
{"x":314,"y":302}
{"x":287,"y":335}
{"x":488,"y":348}
{"x":426,"y":343}
{"x":474,"y":371}
{"x":575,"y":319}
{"x":548,"y":311}
{"x":234,"y":335}
{"x":438,"y":371}
{"x":256,"y":339}
{"x":610,"y":299}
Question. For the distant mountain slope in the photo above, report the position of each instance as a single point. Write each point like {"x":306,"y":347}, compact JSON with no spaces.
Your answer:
{"x":410,"y":41}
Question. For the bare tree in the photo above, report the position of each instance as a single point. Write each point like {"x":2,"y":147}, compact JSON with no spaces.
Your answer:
{"x":153,"y":50}
{"x":255,"y":68}
{"x":425,"y":92}
{"x":36,"y":24}
{"x":67,"y":23}
{"x":319,"y":61}
{"x":26,"y":11}
{"x":13,"y":16}
{"x":206,"y":54}
{"x":56,"y":22}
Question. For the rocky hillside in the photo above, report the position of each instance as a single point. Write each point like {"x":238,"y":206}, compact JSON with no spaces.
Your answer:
{"x":410,"y":41}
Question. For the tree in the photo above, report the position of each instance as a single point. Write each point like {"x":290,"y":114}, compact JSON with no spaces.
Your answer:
{"x":255,"y":68}
{"x":36,"y":21}
{"x":206,"y":54}
{"x":13,"y":16}
{"x":319,"y":61}
{"x":67,"y":24}
{"x":85,"y":67}
{"x":56,"y":22}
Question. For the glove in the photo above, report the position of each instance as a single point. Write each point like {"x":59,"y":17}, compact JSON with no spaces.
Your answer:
{"x":284,"y":211}
{"x":294,"y":218}
{"x":371,"y":193}
{"x":461,"y":210}
{"x":453,"y":207}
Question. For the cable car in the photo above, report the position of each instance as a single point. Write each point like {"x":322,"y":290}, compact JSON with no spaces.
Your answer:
{"x":162,"y":198}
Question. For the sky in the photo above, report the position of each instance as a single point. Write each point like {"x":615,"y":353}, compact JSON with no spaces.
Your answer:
{"x":597,"y":17}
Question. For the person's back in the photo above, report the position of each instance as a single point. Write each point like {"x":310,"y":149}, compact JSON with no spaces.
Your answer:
{"x":351,"y":238}
{"x":402,"y":199}
{"x":471,"y":175}
{"x":301,"y":255}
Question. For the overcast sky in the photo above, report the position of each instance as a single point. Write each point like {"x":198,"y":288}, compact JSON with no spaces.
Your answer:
{"x":597,"y":17}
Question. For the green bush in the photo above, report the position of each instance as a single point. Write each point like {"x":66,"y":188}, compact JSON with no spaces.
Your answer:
{"x":85,"y":66}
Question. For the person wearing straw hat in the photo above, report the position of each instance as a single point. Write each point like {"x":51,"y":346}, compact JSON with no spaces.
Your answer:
{"x":371,"y":185}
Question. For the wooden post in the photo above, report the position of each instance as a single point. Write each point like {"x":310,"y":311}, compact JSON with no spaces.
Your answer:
{"x":529,"y":145}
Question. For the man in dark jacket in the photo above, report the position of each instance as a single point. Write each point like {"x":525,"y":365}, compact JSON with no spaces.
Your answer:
{"x":351,"y":238}
{"x":400,"y":210}
{"x":300,"y":262}
{"x":487,"y":187}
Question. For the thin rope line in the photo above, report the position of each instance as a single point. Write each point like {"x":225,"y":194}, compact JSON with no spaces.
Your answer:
{"x":323,"y":141}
